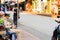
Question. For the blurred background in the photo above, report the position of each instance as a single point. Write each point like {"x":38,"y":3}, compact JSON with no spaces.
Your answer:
{"x":48,"y":7}
{"x":36,"y":17}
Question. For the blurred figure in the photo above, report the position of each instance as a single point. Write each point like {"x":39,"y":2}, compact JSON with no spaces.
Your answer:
{"x":11,"y":26}
{"x":1,"y":24}
{"x":17,"y":31}
{"x":15,"y":10}
{"x":1,"y":38}
{"x":1,"y":14}
{"x":0,"y":7}
{"x":22,"y":4}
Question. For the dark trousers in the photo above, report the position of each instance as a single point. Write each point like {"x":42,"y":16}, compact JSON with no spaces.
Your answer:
{"x":15,"y":19}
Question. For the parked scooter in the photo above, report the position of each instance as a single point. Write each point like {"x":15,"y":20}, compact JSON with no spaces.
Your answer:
{"x":56,"y":32}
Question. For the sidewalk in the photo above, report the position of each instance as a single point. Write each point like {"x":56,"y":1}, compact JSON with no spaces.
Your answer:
{"x":26,"y":12}
{"x":43,"y":14}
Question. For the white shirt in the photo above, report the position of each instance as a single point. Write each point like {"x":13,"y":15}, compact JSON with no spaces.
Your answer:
{"x":6,"y":23}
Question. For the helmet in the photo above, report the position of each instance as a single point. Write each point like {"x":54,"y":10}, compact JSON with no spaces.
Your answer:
{"x":57,"y":19}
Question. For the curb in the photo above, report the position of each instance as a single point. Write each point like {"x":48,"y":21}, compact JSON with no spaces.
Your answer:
{"x":49,"y":15}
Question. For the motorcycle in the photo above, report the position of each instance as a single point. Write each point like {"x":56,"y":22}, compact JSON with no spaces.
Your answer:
{"x":56,"y":32}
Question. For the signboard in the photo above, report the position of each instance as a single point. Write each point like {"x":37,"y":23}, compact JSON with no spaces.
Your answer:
{"x":58,"y":2}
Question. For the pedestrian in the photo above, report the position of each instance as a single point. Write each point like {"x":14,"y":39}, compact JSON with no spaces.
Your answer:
{"x":11,"y":27}
{"x":15,"y":10}
{"x":17,"y":31}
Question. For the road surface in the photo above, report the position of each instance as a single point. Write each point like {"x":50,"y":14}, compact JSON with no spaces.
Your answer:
{"x":36,"y":27}
{"x":40,"y":26}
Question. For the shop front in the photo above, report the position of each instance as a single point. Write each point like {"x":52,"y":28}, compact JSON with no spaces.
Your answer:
{"x":41,"y":6}
{"x":36,"y":5}
{"x":55,"y":7}
{"x":58,"y":7}
{"x":29,"y":5}
{"x":48,"y":6}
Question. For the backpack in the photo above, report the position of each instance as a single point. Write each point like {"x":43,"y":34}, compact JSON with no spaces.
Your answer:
{"x":1,"y":24}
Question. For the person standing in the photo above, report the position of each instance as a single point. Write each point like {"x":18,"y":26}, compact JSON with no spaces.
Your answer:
{"x":15,"y":9}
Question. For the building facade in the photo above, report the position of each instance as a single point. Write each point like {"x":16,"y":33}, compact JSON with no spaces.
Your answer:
{"x":42,"y":6}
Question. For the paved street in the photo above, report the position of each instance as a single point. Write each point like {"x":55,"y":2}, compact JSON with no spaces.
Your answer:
{"x":40,"y":26}
{"x":37,"y":17}
{"x":25,"y":35}
{"x":36,"y":27}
